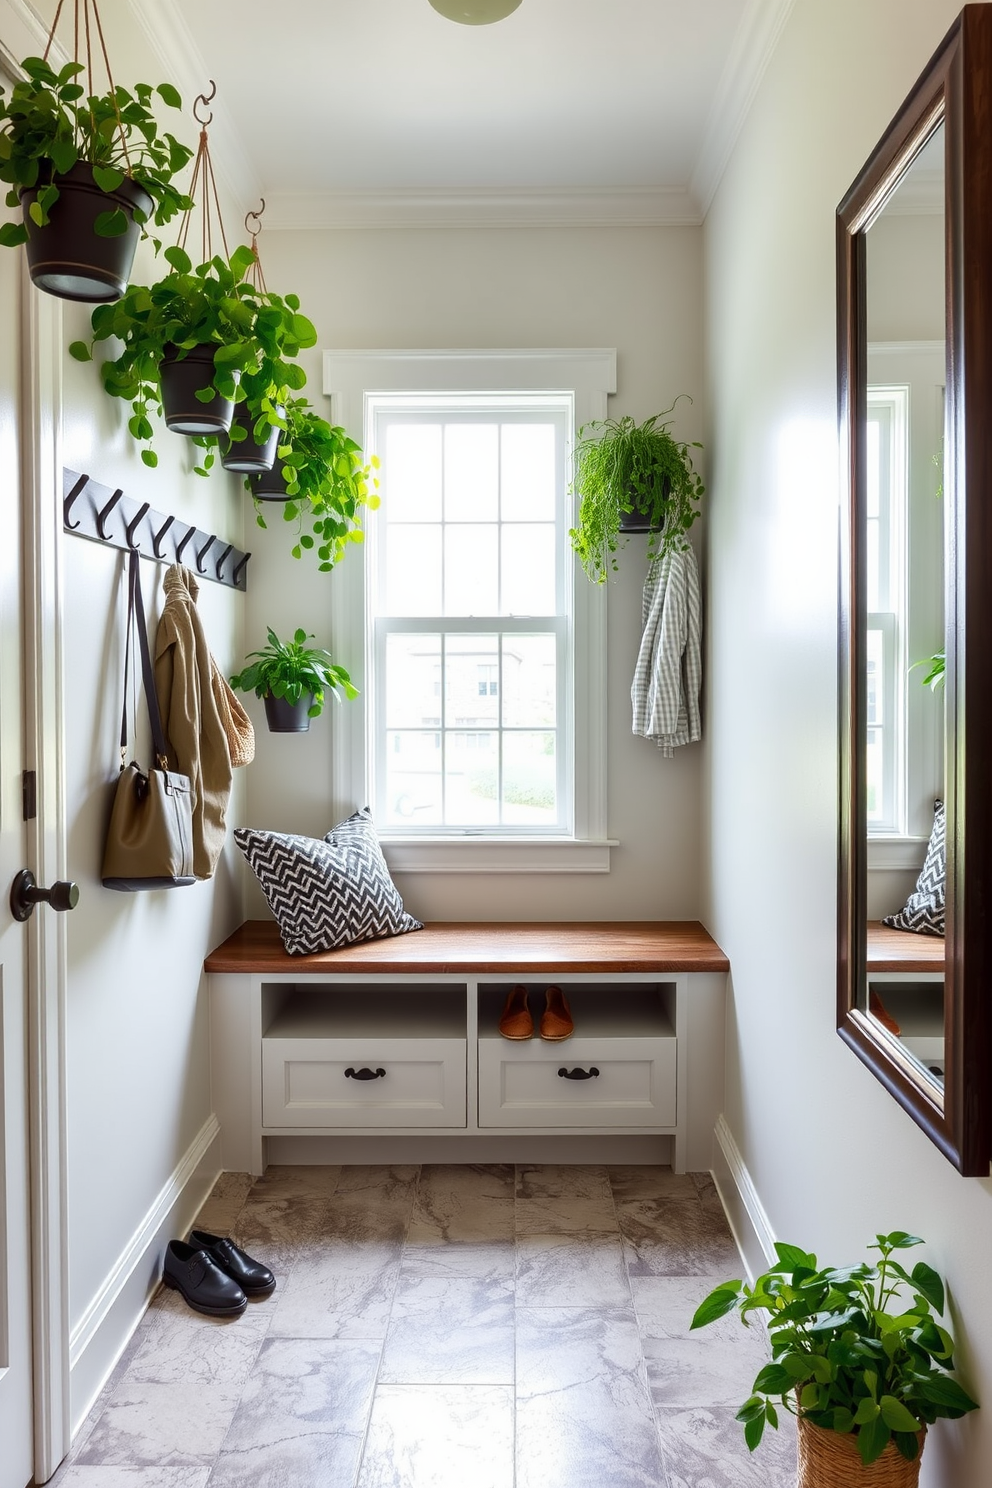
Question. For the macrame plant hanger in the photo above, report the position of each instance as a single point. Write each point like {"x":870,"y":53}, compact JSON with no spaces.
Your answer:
{"x":255,"y":275}
{"x":205,"y":182}
{"x":82,"y":31}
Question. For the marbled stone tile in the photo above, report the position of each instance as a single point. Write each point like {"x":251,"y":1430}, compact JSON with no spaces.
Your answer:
{"x":148,"y":1423}
{"x":562,"y":1181}
{"x":224,"y":1203}
{"x":714,"y":1365}
{"x":565,"y":1216}
{"x":384,"y":1182}
{"x":449,"y":1332}
{"x":295,"y":1180}
{"x":463,"y":1203}
{"x":651,"y":1181}
{"x":583,"y":1410}
{"x":73,"y":1476}
{"x":343,"y":1291}
{"x":708,"y":1195}
{"x":571,"y":1271}
{"x":302,"y":1417}
{"x":178,"y":1344}
{"x":676,"y":1237}
{"x":485,"y":1260}
{"x":705,"y":1448}
{"x":440,"y":1436}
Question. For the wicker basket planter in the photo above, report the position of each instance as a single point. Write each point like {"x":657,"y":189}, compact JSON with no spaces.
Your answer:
{"x":829,"y":1460}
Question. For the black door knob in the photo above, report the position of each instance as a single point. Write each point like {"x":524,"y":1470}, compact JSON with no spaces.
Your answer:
{"x":25,"y":894}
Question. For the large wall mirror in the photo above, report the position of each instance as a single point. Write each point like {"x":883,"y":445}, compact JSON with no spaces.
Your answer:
{"x":915,"y":384}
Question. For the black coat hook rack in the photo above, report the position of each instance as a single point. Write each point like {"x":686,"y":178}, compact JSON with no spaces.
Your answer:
{"x":109,"y":517}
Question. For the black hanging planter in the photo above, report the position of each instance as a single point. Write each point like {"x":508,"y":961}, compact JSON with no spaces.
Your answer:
{"x":248,"y":457}
{"x":270,"y":485}
{"x":288,"y":718}
{"x":639,"y":519}
{"x":67,"y":257}
{"x":181,"y":375}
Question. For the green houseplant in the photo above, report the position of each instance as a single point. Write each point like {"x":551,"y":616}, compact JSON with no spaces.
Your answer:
{"x":856,"y":1351}
{"x":321,"y":479}
{"x":624,"y":468}
{"x":291,"y":677}
{"x":210,"y":317}
{"x":88,"y":171}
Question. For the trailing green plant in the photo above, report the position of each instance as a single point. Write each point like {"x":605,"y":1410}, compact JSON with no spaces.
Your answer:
{"x":293,"y":670}
{"x":850,"y":1351}
{"x":620,"y":466}
{"x":256,"y":334}
{"x":48,"y":124}
{"x":327,"y":482}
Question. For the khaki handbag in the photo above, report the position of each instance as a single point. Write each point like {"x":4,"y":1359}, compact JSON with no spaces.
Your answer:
{"x":150,"y":837}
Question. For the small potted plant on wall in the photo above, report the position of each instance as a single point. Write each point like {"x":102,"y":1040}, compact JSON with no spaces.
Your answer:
{"x":319,"y":476}
{"x":631,"y":477}
{"x":291,"y":677}
{"x":857,"y":1355}
{"x":87,"y":172}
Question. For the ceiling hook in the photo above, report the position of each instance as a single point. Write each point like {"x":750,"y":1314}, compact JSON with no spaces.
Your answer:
{"x":132,"y":526}
{"x":257,"y":216}
{"x":205,"y":98}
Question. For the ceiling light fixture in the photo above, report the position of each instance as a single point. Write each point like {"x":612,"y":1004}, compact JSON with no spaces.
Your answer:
{"x":475,"y":12}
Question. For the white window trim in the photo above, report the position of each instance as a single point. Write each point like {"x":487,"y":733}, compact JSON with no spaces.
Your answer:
{"x":589,"y":375}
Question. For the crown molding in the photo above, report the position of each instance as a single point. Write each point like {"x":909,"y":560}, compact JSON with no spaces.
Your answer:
{"x":757,"y":36}
{"x":182,"y":63}
{"x":619,"y":206}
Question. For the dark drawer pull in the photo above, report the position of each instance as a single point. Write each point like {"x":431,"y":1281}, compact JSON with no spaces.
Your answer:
{"x":591,"y":1073}
{"x":365,"y":1074}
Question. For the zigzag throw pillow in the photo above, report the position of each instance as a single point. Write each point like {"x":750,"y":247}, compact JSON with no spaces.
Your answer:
{"x":924,"y":909}
{"x":330,"y":893}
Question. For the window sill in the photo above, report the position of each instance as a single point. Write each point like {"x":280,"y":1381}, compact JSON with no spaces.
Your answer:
{"x":886,"y":853}
{"x":496,"y":854}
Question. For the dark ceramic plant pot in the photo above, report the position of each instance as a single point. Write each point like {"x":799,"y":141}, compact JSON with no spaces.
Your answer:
{"x":248,"y":457}
{"x":67,"y":257}
{"x":270,"y":485}
{"x":181,"y":375}
{"x":639,"y":520}
{"x":287,"y":718}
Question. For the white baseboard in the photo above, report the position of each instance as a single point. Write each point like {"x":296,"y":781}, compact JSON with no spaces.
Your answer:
{"x":745,"y":1212}
{"x":102,"y":1333}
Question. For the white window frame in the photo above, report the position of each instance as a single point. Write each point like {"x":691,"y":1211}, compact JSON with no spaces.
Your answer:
{"x":352,"y":379}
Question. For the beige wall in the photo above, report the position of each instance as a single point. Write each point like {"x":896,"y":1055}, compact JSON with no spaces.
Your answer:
{"x":832,"y":1157}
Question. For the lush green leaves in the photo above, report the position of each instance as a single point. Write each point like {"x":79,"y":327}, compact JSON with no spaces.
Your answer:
{"x":292,"y":670}
{"x":850,"y":1350}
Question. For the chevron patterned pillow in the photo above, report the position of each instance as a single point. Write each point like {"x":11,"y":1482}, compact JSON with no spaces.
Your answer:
{"x":924,"y":909}
{"x":330,"y":893}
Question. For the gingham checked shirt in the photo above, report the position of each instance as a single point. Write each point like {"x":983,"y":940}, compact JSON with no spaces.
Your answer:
{"x":665,"y":689}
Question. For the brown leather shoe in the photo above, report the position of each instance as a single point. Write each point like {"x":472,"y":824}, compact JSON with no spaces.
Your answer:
{"x":556,"y":1020}
{"x":881,"y":1013}
{"x":516,"y":1022}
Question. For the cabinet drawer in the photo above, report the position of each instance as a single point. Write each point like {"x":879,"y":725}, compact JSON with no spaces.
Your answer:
{"x":520,"y":1084}
{"x":305,"y":1084}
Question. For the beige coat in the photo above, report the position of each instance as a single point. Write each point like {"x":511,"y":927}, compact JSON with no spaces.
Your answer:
{"x":192,"y":721}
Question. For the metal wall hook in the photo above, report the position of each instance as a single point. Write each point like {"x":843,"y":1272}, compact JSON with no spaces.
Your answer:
{"x":240,"y":569}
{"x":180,"y":547}
{"x":68,"y":502}
{"x":103,"y":515}
{"x":157,"y":539}
{"x":223,"y":559}
{"x":203,"y":553}
{"x":205,"y":98}
{"x":257,"y":216}
{"x":132,"y":526}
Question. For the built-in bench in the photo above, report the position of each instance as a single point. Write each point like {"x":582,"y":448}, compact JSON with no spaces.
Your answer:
{"x":395,"y":1042}
{"x":906,"y":975}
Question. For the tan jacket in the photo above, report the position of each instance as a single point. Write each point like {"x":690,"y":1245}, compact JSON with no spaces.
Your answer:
{"x":194,"y":728}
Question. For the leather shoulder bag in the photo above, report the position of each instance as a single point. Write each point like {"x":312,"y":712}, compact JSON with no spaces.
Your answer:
{"x":150,"y":837}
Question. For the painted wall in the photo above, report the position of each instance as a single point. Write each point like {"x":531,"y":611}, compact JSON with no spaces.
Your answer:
{"x":831,"y":1155}
{"x":635,"y":289}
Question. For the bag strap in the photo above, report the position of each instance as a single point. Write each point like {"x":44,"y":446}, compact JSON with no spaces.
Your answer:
{"x":159,"y":746}
{"x":127,"y":658}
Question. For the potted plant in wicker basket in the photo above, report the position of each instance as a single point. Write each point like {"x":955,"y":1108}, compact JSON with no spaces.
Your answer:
{"x":857,"y":1355}
{"x":290,"y":677}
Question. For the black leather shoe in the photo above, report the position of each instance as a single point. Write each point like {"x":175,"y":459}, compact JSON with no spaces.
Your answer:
{"x":254,"y":1279}
{"x":188,"y":1269}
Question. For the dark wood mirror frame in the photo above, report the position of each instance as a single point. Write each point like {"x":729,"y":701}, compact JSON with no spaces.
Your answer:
{"x":955,"y":89}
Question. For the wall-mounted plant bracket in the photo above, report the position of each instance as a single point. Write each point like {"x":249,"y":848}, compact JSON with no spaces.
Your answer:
{"x":118,"y":521}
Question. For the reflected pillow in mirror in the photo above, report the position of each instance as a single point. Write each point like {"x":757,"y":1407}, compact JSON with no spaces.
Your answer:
{"x":924,"y":909}
{"x":327,"y":893}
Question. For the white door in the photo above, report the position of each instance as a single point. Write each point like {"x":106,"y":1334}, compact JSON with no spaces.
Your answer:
{"x":16,"y":1416}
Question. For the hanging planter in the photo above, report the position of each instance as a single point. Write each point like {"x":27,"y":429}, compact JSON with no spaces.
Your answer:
{"x":284,"y":717}
{"x":191,"y":403}
{"x":87,"y":169}
{"x":271,"y":485}
{"x":291,"y":677}
{"x":647,"y":511}
{"x":254,"y":453}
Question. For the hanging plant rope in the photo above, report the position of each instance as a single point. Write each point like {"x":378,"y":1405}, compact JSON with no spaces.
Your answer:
{"x":205,"y":181}
{"x":91,"y":7}
{"x":255,"y":275}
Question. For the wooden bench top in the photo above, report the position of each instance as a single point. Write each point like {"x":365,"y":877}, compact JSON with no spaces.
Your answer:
{"x":466,"y":948}
{"x":903,"y":950}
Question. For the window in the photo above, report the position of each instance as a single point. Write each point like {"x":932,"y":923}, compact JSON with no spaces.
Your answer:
{"x":480,"y":738}
{"x":469,"y":610}
{"x":887,"y":499}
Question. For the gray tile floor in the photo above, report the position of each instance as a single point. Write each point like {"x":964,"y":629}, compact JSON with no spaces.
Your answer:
{"x":446,"y":1327}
